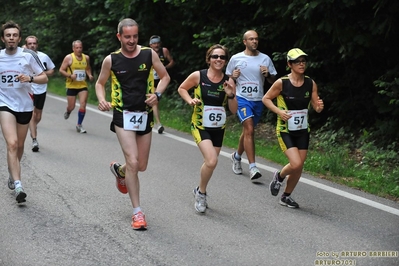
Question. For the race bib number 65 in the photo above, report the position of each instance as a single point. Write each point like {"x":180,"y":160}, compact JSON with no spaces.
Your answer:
{"x":214,"y":116}
{"x":136,"y":121}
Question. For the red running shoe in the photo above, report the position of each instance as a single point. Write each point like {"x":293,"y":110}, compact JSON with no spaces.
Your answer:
{"x":138,"y":221}
{"x":120,"y":177}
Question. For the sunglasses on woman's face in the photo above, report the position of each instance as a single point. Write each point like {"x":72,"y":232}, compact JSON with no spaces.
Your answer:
{"x":297,"y":62}
{"x":216,"y":56}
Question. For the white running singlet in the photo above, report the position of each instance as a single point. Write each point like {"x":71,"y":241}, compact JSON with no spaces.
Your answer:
{"x":16,"y":95}
{"x":250,"y":82}
{"x":48,"y":65}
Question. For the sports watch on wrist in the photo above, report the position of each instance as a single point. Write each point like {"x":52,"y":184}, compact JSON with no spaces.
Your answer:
{"x":159,"y":95}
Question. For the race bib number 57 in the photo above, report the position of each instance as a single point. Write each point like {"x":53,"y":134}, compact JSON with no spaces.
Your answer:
{"x":298,"y":120}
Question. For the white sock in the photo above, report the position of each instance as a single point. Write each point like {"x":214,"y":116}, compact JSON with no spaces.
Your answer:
{"x":252,"y":165}
{"x":136,"y":210}
{"x":17,"y":183}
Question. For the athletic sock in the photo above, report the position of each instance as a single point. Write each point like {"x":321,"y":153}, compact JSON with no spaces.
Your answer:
{"x":285,"y":195}
{"x":17,"y":183}
{"x":237,"y":156}
{"x":199,"y":191}
{"x":280,"y":179}
{"x":136,"y":210}
{"x":251,"y":165}
{"x":81,"y":116}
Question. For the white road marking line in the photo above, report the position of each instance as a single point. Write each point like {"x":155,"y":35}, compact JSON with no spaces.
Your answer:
{"x":270,"y":169}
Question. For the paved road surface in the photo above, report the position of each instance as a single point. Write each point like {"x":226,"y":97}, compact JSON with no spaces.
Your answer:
{"x":75,"y":216}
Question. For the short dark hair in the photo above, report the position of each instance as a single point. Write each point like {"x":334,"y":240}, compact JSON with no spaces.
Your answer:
{"x":10,"y":25}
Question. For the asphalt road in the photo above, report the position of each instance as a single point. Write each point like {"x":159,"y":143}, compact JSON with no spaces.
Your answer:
{"x":74,"y":215}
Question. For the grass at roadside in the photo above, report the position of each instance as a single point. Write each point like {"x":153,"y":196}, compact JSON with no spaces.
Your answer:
{"x":325,"y":160}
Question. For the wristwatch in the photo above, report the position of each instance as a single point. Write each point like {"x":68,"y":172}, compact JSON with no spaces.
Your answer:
{"x":159,"y":95}
{"x":231,"y":97}
{"x":31,"y":79}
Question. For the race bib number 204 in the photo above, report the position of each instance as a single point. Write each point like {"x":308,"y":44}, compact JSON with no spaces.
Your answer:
{"x":251,"y":90}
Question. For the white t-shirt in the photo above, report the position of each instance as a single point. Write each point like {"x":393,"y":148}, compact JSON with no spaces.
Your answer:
{"x":16,"y":95}
{"x":250,"y":82}
{"x":48,"y":65}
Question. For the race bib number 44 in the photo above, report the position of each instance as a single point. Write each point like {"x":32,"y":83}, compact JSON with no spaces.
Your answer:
{"x":135,"y":121}
{"x":298,"y":120}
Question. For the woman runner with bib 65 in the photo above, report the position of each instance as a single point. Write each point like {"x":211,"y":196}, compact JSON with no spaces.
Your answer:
{"x":213,"y":92}
{"x":294,"y":92}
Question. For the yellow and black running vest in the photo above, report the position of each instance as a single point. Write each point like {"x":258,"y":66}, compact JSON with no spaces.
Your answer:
{"x":132,"y":79}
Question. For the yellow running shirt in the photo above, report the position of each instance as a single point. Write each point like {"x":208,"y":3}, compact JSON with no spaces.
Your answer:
{"x":77,"y":67}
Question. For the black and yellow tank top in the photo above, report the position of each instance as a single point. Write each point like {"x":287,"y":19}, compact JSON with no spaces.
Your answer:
{"x":293,"y":98}
{"x":162,"y":57}
{"x":132,"y":79}
{"x":210,"y":94}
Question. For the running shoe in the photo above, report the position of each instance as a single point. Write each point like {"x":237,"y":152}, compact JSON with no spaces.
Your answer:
{"x":236,"y":165}
{"x":11,"y":184}
{"x":80,"y":129}
{"x":138,"y":221}
{"x":20,"y":195}
{"x":66,"y":115}
{"x":200,"y":204}
{"x":120,"y":177}
{"x":35,"y":145}
{"x":275,"y":184}
{"x":289,"y":202}
{"x":160,"y":129}
{"x":254,"y":173}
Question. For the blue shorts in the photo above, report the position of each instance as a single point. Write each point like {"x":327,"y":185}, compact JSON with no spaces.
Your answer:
{"x":249,"y":109}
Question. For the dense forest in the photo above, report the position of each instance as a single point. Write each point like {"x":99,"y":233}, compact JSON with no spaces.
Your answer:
{"x":352,"y":46}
